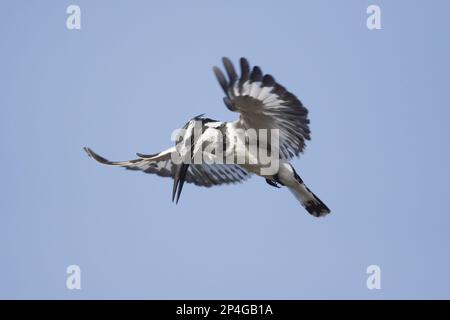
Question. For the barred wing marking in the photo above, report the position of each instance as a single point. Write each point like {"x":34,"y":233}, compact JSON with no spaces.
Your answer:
{"x":161,"y":164}
{"x":265,"y":104}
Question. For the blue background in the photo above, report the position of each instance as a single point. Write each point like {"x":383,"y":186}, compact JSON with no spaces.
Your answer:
{"x":379,"y":156}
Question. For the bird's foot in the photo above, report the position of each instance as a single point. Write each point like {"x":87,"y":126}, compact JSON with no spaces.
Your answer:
{"x":273,"y":183}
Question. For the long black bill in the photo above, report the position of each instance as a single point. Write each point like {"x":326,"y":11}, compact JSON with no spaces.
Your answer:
{"x":178,"y":180}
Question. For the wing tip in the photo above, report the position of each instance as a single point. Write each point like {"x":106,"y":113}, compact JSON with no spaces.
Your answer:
{"x":226,"y":60}
{"x":95,"y":156}
{"x":216,"y":69}
{"x":89,"y":152}
{"x":243,"y":60}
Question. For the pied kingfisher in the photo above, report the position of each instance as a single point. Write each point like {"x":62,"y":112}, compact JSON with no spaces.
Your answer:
{"x":263,"y":104}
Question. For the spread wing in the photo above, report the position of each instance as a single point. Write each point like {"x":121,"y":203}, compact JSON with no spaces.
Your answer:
{"x":161,"y":164}
{"x":265,"y":104}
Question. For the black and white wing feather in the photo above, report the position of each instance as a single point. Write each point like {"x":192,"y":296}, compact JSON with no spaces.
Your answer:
{"x":265,"y":104}
{"x":161,"y":164}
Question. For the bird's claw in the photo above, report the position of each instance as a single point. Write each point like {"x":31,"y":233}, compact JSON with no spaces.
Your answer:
{"x":273,"y":183}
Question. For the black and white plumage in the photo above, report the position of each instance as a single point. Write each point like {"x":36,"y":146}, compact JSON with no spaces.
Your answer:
{"x":265,"y":104}
{"x":262,"y":104}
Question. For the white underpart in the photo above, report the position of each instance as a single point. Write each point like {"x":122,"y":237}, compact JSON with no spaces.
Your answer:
{"x":251,"y":159}
{"x":184,"y":148}
{"x":212,"y":138}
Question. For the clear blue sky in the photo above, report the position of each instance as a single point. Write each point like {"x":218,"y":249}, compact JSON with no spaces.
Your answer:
{"x":379,"y":157}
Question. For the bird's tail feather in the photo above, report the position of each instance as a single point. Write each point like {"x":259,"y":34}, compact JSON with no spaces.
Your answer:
{"x":308,"y":199}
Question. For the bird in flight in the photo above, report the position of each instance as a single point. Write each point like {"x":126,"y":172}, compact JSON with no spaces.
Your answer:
{"x":210,"y":152}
